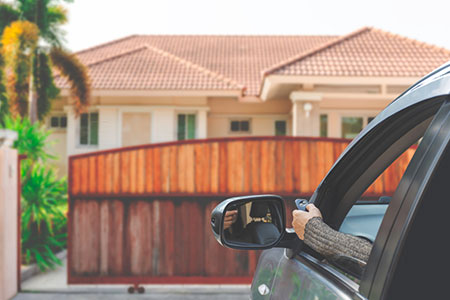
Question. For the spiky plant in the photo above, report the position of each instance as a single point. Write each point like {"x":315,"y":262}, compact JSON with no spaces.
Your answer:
{"x":30,"y":83}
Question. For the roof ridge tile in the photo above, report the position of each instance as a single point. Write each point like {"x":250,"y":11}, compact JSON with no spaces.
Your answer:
{"x":106,"y":44}
{"x":313,"y":51}
{"x":197,"y":67}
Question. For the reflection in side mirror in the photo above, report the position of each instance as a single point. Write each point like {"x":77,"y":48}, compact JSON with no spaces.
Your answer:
{"x":252,"y":222}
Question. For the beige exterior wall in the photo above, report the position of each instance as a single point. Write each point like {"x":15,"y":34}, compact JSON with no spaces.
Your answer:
{"x":333,"y":96}
{"x":8,"y":222}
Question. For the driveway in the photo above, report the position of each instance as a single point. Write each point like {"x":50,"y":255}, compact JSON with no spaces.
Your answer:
{"x":53,"y":285}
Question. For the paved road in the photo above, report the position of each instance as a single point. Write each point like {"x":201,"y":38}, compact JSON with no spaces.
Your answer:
{"x":150,"y":296}
{"x":53,"y":286}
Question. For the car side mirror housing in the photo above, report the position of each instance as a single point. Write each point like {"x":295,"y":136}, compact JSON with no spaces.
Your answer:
{"x":252,"y":223}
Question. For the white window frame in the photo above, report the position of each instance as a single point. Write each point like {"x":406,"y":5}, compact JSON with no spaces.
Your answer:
{"x":186,"y":112}
{"x":78,"y":132}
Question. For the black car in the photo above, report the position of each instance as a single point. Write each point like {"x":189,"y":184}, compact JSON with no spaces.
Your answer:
{"x":410,"y":254}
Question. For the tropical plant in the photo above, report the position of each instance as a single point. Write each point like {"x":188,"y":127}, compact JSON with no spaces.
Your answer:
{"x":44,"y":196}
{"x":44,"y":221}
{"x":32,"y":47}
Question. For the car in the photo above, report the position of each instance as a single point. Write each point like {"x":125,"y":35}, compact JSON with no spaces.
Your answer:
{"x":410,"y":251}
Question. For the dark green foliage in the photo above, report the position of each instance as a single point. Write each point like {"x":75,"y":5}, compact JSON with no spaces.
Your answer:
{"x":76,"y":74}
{"x":8,"y":14}
{"x":43,"y":84}
{"x":4,"y":106}
{"x":44,"y":196}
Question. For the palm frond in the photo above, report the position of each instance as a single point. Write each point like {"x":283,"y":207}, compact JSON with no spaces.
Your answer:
{"x":19,"y":41}
{"x":76,"y":73}
{"x":44,"y":85}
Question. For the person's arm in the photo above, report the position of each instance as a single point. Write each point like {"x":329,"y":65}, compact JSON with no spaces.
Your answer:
{"x":328,"y":242}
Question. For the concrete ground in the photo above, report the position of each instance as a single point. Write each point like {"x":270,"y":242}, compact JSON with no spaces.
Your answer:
{"x":53,"y":285}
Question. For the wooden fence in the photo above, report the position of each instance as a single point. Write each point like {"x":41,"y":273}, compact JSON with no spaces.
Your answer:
{"x":141,"y":214}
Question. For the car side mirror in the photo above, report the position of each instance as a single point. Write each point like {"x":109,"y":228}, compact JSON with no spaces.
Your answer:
{"x":249,"y":222}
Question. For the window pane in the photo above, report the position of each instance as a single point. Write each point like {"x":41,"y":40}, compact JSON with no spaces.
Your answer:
{"x":234,"y":125}
{"x":351,"y":126}
{"x":63,"y":122}
{"x":191,"y":126}
{"x":280,"y":128}
{"x":245,"y":126}
{"x":84,"y":129}
{"x":54,"y":122}
{"x":323,"y":125}
{"x":181,"y":127}
{"x":93,"y":129}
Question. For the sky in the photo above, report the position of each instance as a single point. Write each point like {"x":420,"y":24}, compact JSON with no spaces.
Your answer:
{"x":92,"y":22}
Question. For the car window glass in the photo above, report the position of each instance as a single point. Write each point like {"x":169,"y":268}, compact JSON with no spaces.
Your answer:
{"x":365,"y":217}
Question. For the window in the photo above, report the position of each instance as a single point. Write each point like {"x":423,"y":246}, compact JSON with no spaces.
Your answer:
{"x":323,"y":125}
{"x":58,"y":122}
{"x":186,"y":127}
{"x":237,"y":126}
{"x":351,"y":126}
{"x":280,"y":128}
{"x":89,"y":129}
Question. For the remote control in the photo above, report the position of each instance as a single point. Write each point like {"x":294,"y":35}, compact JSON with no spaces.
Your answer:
{"x":301,"y":204}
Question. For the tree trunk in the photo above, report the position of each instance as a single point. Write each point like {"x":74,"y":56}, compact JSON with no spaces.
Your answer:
{"x":32,"y":102}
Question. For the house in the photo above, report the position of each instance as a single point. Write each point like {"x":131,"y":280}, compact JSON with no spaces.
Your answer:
{"x":151,"y":89}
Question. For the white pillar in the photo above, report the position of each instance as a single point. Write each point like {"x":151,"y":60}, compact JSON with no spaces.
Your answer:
{"x":202,"y":125}
{"x":305,"y":113}
{"x":8,"y":215}
{"x":71,"y":130}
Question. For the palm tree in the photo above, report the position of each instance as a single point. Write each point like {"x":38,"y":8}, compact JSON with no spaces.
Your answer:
{"x":32,"y":48}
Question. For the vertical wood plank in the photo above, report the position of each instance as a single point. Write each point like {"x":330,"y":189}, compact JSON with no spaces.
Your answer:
{"x":125,"y":171}
{"x":109,"y":173}
{"x":247,"y":166}
{"x":288,"y":185}
{"x":140,"y":171}
{"x":101,"y":176}
{"x":199,"y":167}
{"x":182,"y":158}
{"x":304,"y":168}
{"x":139,"y":228}
{"x":280,"y":169}
{"x":116,"y":173}
{"x":223,"y":166}
{"x":157,"y":170}
{"x":76,"y":176}
{"x":133,"y":171}
{"x":214,"y":186}
{"x":84,"y":187}
{"x":116,"y":245}
{"x":190,"y":169}
{"x":173,"y":169}
{"x":149,"y":170}
{"x":92,"y":162}
{"x":104,"y":236}
{"x":165,"y":164}
{"x":168,"y":240}
{"x":255,"y":149}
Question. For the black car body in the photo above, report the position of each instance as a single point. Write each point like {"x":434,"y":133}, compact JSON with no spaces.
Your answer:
{"x":409,"y":258}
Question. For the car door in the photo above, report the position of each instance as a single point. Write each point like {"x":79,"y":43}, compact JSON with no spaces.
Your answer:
{"x":421,"y":113}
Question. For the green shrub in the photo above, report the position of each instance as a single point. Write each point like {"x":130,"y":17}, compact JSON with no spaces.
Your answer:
{"x":44,"y":196}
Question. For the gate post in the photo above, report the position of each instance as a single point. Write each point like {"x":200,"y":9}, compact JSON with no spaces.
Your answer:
{"x":8,"y":216}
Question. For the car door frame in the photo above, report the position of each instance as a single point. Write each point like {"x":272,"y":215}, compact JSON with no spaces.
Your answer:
{"x":370,"y":153}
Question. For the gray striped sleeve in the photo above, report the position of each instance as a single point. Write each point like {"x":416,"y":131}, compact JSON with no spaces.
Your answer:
{"x":334,"y":244}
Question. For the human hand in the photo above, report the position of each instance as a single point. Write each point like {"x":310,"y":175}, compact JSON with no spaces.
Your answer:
{"x":230,"y":218}
{"x":301,"y":218}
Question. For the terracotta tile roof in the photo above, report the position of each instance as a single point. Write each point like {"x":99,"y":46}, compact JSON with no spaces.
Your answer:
{"x":366,"y":52}
{"x":189,"y":62}
{"x":147,"y":67}
{"x":238,"y":60}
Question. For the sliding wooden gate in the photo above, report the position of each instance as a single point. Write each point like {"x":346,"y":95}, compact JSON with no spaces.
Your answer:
{"x":141,"y":214}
